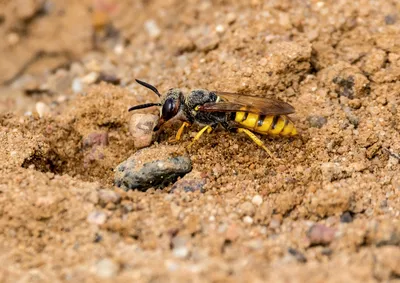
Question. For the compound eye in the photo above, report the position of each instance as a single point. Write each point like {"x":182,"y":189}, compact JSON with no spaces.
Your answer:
{"x":169,"y":108}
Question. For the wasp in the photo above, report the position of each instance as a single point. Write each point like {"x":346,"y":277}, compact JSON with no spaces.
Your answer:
{"x":235,"y":112}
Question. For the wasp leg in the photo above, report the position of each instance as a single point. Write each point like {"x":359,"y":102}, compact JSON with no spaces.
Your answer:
{"x":198,"y":135}
{"x":179,"y":133}
{"x":256,"y":140}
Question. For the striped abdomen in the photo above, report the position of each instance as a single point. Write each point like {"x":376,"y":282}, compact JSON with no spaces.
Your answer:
{"x":266,"y":125}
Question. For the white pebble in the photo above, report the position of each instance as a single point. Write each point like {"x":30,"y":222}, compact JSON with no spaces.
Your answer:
{"x":106,"y":268}
{"x":90,"y":78}
{"x":152,"y":28}
{"x":248,"y":220}
{"x":97,"y":217}
{"x":77,"y":85}
{"x":181,"y":252}
{"x":257,"y":200}
{"x":119,"y":49}
{"x":42,"y":109}
{"x":219,"y":29}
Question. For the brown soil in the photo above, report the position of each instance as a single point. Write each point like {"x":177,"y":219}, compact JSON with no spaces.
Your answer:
{"x":328,"y":211}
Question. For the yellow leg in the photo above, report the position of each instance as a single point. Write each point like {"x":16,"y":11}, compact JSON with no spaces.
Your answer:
{"x":180,"y":131}
{"x":198,"y":135}
{"x":256,"y":140}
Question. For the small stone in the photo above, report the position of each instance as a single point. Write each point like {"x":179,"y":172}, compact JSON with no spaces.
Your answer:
{"x":13,"y":38}
{"x":320,"y":234}
{"x":179,"y":247}
{"x":232,"y":233}
{"x":382,"y":100}
{"x":95,"y":139}
{"x":317,"y":121}
{"x":333,"y":171}
{"x":26,"y":9}
{"x":276,"y":221}
{"x":90,"y":78}
{"x":106,"y":268}
{"x":42,"y":109}
{"x":192,"y":182}
{"x":97,"y":217}
{"x":373,"y":150}
{"x":353,"y":119}
{"x":390,"y":19}
{"x":384,"y":232}
{"x":257,"y":200}
{"x":346,"y":217}
{"x":119,"y":49}
{"x":355,"y":103}
{"x":152,"y":167}
{"x":248,"y":220}
{"x":109,"y":196}
{"x":184,"y":44}
{"x":297,"y":255}
{"x":141,"y":128}
{"x":220,"y":29}
{"x":247,"y":208}
{"x":77,"y":86}
{"x":152,"y":28}
{"x":207,"y":42}
{"x":255,"y":244}
{"x":181,"y":252}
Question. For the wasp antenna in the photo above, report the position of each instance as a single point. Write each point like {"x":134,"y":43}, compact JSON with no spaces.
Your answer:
{"x":147,"y":105}
{"x":149,"y":86}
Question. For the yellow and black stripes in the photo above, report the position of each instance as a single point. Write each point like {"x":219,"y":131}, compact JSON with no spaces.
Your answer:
{"x":266,"y":125}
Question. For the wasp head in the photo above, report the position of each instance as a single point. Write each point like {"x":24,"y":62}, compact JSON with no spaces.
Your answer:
{"x":170,"y":104}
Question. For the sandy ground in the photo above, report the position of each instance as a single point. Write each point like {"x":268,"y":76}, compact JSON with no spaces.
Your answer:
{"x":328,"y":211}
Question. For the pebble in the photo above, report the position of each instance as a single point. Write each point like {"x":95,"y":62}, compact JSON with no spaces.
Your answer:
{"x":97,"y":217}
{"x":355,"y":103}
{"x":346,"y":217}
{"x":42,"y":109}
{"x":192,"y":182}
{"x":109,"y":196}
{"x":141,"y":128}
{"x":95,"y":139}
{"x":248,"y":220}
{"x":180,"y":252}
{"x":247,"y":208}
{"x":390,"y":19}
{"x":90,"y":78}
{"x":319,"y":234}
{"x":151,"y":167}
{"x":353,"y":119}
{"x":207,"y":43}
{"x":275,"y":222}
{"x":232,"y":233}
{"x":257,"y":200}
{"x":382,"y":233}
{"x":230,"y":18}
{"x":332,"y":171}
{"x":180,"y":249}
{"x":297,"y":255}
{"x":220,"y":29}
{"x":152,"y":28}
{"x":106,"y":268}
{"x":77,"y":86}
{"x":317,"y":121}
